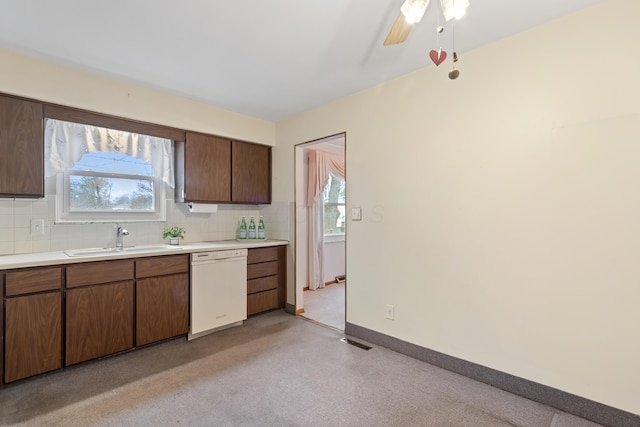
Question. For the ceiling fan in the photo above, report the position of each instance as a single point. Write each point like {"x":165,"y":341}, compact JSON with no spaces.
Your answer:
{"x":412,"y":11}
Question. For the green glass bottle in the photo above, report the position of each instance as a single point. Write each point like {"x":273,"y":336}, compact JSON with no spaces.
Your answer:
{"x":261,"y":229}
{"x":243,"y":229}
{"x":252,"y":229}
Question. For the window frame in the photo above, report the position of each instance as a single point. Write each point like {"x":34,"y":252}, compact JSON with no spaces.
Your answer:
{"x":65,"y":215}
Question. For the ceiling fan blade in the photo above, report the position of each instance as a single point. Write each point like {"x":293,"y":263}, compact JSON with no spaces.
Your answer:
{"x":399,"y":31}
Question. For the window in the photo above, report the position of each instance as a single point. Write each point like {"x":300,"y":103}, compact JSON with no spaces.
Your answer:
{"x":109,"y":182}
{"x":333,"y":198}
{"x":105,"y":174}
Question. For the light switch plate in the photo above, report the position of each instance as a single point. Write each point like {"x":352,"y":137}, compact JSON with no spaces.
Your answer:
{"x":37,"y":227}
{"x":356,"y":214}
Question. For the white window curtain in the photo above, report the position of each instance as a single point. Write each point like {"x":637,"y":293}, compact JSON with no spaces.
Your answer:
{"x":66,"y":142}
{"x":320,"y":165}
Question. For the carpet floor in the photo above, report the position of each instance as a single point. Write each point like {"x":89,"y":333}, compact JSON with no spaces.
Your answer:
{"x":275,"y":370}
{"x":326,"y":305}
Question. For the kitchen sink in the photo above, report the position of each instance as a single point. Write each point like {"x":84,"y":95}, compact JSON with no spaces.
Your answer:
{"x":126,"y":250}
{"x":90,"y":252}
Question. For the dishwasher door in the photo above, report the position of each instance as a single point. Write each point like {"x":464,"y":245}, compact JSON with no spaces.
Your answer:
{"x":218,"y":291}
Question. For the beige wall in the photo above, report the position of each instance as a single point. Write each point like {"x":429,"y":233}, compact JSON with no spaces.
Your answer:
{"x":34,"y":78}
{"x":505,"y":229}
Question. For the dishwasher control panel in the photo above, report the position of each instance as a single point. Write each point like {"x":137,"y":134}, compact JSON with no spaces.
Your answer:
{"x":230,"y":253}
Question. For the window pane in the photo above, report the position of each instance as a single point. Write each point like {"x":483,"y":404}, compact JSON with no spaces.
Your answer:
{"x":334,"y":218}
{"x":91,"y":192}
{"x":112,"y":162}
{"x":334,"y":190}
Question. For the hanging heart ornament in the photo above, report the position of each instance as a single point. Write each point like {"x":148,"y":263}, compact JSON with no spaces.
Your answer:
{"x":438,"y":56}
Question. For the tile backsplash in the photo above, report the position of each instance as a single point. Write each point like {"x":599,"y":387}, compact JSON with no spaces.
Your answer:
{"x":16,"y":216}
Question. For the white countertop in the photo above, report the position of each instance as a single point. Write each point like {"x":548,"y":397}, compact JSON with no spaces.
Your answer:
{"x":53,"y":258}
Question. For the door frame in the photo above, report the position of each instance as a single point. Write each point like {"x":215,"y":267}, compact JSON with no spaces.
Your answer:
{"x":300,"y":216}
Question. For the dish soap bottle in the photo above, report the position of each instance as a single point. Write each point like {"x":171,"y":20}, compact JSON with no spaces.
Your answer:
{"x":252,"y":229}
{"x":261,"y":229}
{"x":243,"y":229}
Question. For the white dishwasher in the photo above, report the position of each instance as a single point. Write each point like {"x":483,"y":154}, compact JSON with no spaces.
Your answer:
{"x":218,"y":290}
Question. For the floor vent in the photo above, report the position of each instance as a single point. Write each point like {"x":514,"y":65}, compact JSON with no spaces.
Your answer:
{"x":356,"y":343}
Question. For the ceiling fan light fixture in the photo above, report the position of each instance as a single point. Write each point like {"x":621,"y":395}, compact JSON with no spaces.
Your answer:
{"x":413,"y":10}
{"x":454,"y":8}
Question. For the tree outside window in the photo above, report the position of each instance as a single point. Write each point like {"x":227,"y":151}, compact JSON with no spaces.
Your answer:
{"x":334,"y":206}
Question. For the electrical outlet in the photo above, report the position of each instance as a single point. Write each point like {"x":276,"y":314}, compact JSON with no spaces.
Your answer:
{"x":389,"y":312}
{"x":37,"y":227}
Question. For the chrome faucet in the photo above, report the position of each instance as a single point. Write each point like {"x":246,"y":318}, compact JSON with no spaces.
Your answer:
{"x":120,"y":233}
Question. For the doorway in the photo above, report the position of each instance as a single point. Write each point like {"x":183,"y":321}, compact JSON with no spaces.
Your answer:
{"x":321,"y":283}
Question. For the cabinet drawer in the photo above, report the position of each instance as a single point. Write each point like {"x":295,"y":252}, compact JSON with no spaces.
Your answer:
{"x":29,"y":281}
{"x":93,"y":273}
{"x":262,"y":255}
{"x":262,"y":301}
{"x":262,"y":284}
{"x":263,"y":269}
{"x":162,"y":265}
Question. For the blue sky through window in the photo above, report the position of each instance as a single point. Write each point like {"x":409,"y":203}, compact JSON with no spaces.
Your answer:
{"x":112,"y":163}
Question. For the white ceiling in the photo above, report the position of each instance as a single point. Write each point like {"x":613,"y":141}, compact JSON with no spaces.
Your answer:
{"x":269,"y":59}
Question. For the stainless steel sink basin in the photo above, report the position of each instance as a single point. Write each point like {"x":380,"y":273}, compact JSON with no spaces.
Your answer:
{"x":113,"y":251}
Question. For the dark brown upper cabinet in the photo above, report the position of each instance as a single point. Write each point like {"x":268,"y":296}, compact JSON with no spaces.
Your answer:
{"x":21,"y":148}
{"x":207,"y":169}
{"x":211,"y":169}
{"x":251,"y":173}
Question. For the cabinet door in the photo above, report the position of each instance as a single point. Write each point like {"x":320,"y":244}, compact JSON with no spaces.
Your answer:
{"x":251,"y":167}
{"x":207,"y":168}
{"x":162,"y":308}
{"x":21,"y":148}
{"x":99,"y":320}
{"x":33,"y":343}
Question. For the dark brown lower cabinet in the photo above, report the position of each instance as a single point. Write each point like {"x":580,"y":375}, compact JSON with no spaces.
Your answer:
{"x":1,"y":344}
{"x":266,"y":279}
{"x":63,"y":315}
{"x":162,"y":308}
{"x":99,"y":320}
{"x":262,"y":301}
{"x":33,"y":339}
